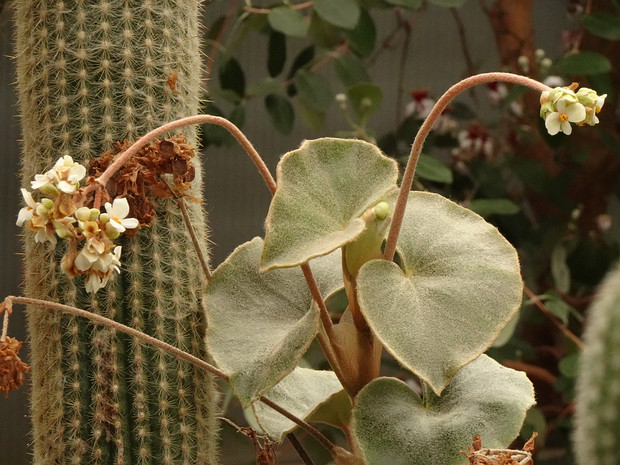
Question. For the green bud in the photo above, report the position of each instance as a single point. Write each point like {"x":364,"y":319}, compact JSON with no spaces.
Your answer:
{"x":94,"y":214}
{"x":82,"y":214}
{"x":104,"y":218}
{"x":111,"y":231}
{"x":41,"y":210}
{"x":49,"y":189}
{"x":382,"y":210}
{"x":47,"y":203}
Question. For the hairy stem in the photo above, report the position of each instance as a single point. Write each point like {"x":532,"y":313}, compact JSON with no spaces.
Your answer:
{"x":425,"y":129}
{"x":320,"y":437}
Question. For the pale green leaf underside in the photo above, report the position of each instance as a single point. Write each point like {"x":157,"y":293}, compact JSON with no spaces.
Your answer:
{"x":460,"y":286}
{"x":323,"y":189}
{"x":308,"y":394}
{"x":393,"y":427}
{"x":260,"y":324}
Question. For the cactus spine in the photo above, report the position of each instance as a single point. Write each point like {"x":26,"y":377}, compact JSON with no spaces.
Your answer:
{"x":91,"y":72}
{"x":597,"y":419}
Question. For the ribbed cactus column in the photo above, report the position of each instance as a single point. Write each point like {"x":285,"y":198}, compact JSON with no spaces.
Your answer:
{"x":91,"y":72}
{"x":597,"y":419}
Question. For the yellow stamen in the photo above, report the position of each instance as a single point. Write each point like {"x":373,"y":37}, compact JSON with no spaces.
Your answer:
{"x":597,"y":109}
{"x":563,"y":117}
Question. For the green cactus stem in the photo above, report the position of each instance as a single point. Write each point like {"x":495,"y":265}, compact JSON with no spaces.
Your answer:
{"x":92,"y":72}
{"x":597,"y":418}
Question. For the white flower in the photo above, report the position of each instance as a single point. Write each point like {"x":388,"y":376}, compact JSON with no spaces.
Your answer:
{"x":101,"y":270}
{"x":566,"y":112}
{"x":118,"y":212}
{"x":66,"y":175}
{"x":93,"y":250}
{"x":25,"y":214}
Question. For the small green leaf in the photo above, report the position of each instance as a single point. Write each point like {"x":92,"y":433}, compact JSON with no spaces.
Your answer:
{"x":232,"y":77}
{"x":351,"y":70}
{"x":324,"y":187}
{"x":559,"y":268}
{"x":363,"y":37}
{"x":324,"y":34}
{"x":314,"y":119}
{"x":557,"y":306}
{"x":459,"y":286}
{"x":302,"y":59}
{"x":365,"y":99}
{"x":488,"y":207}
{"x":569,"y":365}
{"x":276,"y":55}
{"x":288,"y":21}
{"x":583,"y":63}
{"x":448,"y":3}
{"x":314,"y":90}
{"x":432,"y":169}
{"x":311,"y":395}
{"x":410,"y":4}
{"x":602,"y":24}
{"x":343,"y":13}
{"x":394,"y":426}
{"x":280,"y":112}
{"x":260,"y":324}
{"x":264,"y":87}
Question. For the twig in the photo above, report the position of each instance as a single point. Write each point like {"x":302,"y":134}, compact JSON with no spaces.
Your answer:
{"x":320,"y":437}
{"x":425,"y":129}
{"x":303,"y":455}
{"x":558,"y":324}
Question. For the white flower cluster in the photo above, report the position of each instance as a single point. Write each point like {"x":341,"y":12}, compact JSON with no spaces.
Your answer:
{"x":562,"y":105}
{"x":57,"y":215}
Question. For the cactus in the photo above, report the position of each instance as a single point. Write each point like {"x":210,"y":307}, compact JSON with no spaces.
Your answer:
{"x":92,"y":72}
{"x":597,"y":418}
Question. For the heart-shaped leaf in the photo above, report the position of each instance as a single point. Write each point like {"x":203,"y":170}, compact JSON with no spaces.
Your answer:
{"x":460,"y":286}
{"x":260,"y":324}
{"x":323,"y":189}
{"x":394,"y":426}
{"x":308,"y":394}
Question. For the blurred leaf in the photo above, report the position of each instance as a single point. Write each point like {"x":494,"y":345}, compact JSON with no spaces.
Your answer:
{"x":280,"y":112}
{"x":394,"y":426}
{"x":351,"y":70}
{"x":308,"y":394}
{"x":260,"y":324}
{"x":288,"y":21}
{"x":314,"y":90}
{"x":341,"y":13}
{"x":237,"y":115}
{"x":324,"y":34}
{"x":459,"y":286}
{"x":432,"y":169}
{"x":302,"y":59}
{"x":265,"y":87}
{"x":448,"y":3}
{"x":534,"y":422}
{"x":569,"y":365}
{"x":211,"y":133}
{"x":232,"y":77}
{"x":488,"y":207}
{"x":314,"y":119}
{"x":410,"y":4}
{"x":244,"y":25}
{"x":365,"y":99}
{"x":213,"y":31}
{"x":583,"y":63}
{"x":556,"y":306}
{"x":305,"y":220}
{"x":276,"y":53}
{"x":602,"y":24}
{"x":363,"y":37}
{"x":559,"y":269}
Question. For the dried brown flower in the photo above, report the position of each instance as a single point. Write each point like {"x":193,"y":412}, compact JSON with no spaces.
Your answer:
{"x":12,"y":369}
{"x":480,"y":456}
{"x":142,"y":175}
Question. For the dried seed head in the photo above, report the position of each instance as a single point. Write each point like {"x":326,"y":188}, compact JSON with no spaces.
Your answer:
{"x":12,"y":369}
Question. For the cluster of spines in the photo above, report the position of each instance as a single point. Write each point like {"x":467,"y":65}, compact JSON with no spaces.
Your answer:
{"x":92,"y":72}
{"x":597,"y":405}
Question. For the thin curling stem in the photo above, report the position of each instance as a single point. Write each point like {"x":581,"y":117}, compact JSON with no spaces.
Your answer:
{"x":8,"y":301}
{"x":198,"y":119}
{"x":425,"y":129}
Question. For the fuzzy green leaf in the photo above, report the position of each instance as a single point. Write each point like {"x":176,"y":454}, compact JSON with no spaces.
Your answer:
{"x":260,"y":324}
{"x":308,"y":394}
{"x":460,"y":287}
{"x":394,"y":426}
{"x":323,"y":189}
{"x":288,"y":21}
{"x":343,"y":13}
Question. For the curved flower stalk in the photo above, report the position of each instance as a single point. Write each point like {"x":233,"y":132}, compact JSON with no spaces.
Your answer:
{"x":57,"y":214}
